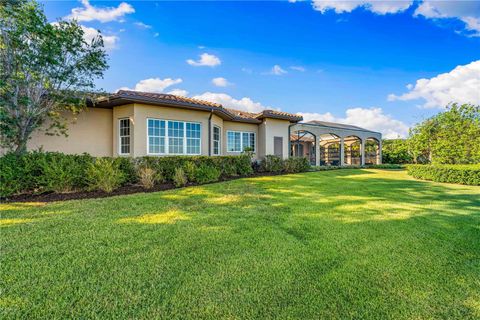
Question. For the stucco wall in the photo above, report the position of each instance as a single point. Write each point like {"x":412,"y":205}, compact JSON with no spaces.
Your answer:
{"x":143,"y":111}
{"x":276,"y":128}
{"x":90,"y":132}
{"x":217,"y":121}
{"x":238,"y":126}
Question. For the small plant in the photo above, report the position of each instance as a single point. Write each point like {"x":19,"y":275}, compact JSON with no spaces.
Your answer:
{"x":206,"y":174}
{"x":189,"y":168}
{"x":104,"y":174}
{"x":179,"y":177}
{"x":148,"y":177}
{"x":272,"y":163}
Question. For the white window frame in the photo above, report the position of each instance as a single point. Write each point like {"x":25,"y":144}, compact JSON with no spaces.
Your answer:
{"x":241,"y":140}
{"x":219,"y":141}
{"x":120,"y":136}
{"x":167,"y":136}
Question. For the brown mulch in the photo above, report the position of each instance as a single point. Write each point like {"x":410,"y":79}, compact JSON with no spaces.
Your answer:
{"x":127,"y":189}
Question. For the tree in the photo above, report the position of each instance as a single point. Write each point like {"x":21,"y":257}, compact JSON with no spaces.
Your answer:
{"x":47,"y":70}
{"x":396,"y":151}
{"x":451,"y":137}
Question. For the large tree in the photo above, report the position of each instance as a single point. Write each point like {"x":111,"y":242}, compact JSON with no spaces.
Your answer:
{"x":451,"y":137}
{"x":47,"y":70}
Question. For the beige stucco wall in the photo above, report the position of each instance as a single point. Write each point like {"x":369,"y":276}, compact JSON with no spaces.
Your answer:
{"x":239,"y":126}
{"x":276,"y":128}
{"x":90,"y":131}
{"x":143,"y":111}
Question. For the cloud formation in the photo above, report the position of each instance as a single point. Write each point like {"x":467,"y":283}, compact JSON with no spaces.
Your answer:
{"x":461,"y":85}
{"x":243,"y":104}
{"x":220,"y":82}
{"x":106,"y":14}
{"x":369,"y":118}
{"x":142,"y":25}
{"x":298,"y":68}
{"x":466,"y":11}
{"x":378,"y":7}
{"x":206,"y":60}
{"x":154,"y":85}
{"x":178,"y":92}
{"x":277,"y":70}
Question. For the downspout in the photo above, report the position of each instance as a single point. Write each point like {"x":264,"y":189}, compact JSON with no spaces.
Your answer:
{"x":210,"y":133}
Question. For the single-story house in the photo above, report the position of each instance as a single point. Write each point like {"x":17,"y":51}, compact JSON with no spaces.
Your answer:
{"x":132,"y":123}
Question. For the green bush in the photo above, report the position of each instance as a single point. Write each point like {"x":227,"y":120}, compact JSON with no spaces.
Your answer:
{"x":105,"y":174}
{"x":206,"y":174}
{"x":179,"y":177}
{"x":275,"y":164}
{"x":272,"y":163}
{"x":296,"y":164}
{"x":189,"y":168}
{"x":462,"y":174}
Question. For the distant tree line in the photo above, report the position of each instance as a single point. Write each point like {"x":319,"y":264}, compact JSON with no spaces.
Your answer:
{"x":450,"y":137}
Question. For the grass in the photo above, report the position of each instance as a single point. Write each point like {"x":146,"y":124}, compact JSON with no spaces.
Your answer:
{"x":363,"y":244}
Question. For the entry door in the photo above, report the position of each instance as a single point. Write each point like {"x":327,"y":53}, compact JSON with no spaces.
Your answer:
{"x":278,"y":146}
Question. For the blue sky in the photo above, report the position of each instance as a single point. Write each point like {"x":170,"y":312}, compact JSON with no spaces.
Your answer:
{"x":346,"y":61}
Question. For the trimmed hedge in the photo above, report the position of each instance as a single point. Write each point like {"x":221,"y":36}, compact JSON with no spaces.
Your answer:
{"x":459,"y":173}
{"x":39,"y":172}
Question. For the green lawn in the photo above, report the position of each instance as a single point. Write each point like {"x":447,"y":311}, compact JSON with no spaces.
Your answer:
{"x":363,"y":244}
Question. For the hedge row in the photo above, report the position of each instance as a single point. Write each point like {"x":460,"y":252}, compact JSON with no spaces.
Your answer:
{"x":462,"y":174}
{"x":40,"y":172}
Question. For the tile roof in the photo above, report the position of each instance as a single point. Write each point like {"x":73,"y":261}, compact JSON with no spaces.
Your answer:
{"x":127,"y":96}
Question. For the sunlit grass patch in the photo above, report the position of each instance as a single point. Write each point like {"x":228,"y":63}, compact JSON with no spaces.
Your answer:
{"x":167,"y":217}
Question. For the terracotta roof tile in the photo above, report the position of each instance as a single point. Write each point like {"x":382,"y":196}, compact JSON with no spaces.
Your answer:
{"x":165,"y":96}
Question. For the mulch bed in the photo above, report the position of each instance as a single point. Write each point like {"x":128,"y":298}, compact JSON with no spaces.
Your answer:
{"x":127,"y":189}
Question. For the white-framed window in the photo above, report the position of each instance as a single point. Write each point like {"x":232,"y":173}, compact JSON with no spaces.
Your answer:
{"x":216,"y":140}
{"x":237,"y":141}
{"x":124,"y":136}
{"x":173,"y":137}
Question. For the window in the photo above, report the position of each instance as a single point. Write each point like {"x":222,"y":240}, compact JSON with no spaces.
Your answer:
{"x":124,"y":136}
{"x":216,"y":140}
{"x":193,"y":138}
{"x":173,"y":137}
{"x":156,"y":136}
{"x":237,"y":141}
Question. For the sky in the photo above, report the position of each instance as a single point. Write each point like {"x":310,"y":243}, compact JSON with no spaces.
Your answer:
{"x":381,"y":65}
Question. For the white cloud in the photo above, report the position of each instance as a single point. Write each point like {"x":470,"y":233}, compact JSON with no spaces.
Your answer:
{"x":142,"y":25}
{"x":156,"y":34}
{"x":90,"y":13}
{"x":206,"y":59}
{"x":378,"y":7}
{"x":461,"y":85}
{"x":109,"y":42}
{"x":220,"y":82}
{"x":178,"y":92}
{"x":243,"y":104}
{"x":466,"y":11}
{"x":277,"y":70}
{"x":154,"y":84}
{"x":247,"y":70}
{"x":297,"y":68}
{"x":369,"y":118}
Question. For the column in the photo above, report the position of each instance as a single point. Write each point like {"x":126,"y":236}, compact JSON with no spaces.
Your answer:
{"x":342,"y":152}
{"x":362,"y":152}
{"x":317,"y":151}
{"x":379,"y":153}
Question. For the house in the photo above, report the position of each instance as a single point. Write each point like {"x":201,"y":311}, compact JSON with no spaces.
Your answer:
{"x":132,"y":123}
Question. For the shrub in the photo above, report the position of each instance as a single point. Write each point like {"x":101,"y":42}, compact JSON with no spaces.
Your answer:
{"x":296,"y":164}
{"x":11,"y":173}
{"x":148,"y":177}
{"x":462,"y":174}
{"x":272,"y":163}
{"x":189,"y":168}
{"x":179,"y":177}
{"x":206,"y":174}
{"x":104,"y":174}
